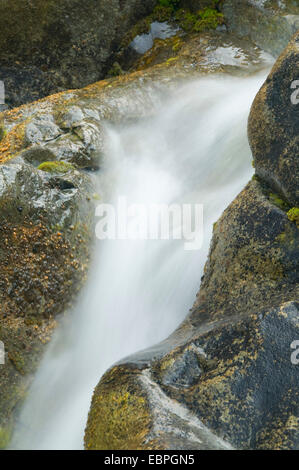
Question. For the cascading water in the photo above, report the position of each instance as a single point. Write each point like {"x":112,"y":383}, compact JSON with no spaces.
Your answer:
{"x":194,"y":150}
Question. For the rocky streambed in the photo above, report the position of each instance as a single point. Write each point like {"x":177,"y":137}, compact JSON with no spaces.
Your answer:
{"x":225,"y":376}
{"x":224,"y":379}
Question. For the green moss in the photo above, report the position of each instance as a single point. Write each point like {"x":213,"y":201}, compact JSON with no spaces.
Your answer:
{"x":186,"y":19}
{"x":168,"y":10}
{"x":119,"y":415}
{"x":203,"y":20}
{"x":277,"y":201}
{"x":18,"y":361}
{"x":173,"y":4}
{"x":293,"y":215}
{"x":282,"y":237}
{"x":208,"y":19}
{"x":171,"y":60}
{"x":56,"y":167}
{"x":3,"y":132}
{"x":160,"y":13}
{"x":115,"y":70}
{"x":289,"y":237}
{"x":5,"y":436}
{"x":178,"y":43}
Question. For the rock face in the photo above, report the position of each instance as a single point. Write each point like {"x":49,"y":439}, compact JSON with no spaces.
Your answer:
{"x":46,"y":230}
{"x":46,"y":225}
{"x":225,"y":378}
{"x":268,"y":24}
{"x":208,"y":52}
{"x":50,"y":45}
{"x":273,"y":126}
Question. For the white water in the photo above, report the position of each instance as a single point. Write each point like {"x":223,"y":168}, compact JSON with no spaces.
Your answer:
{"x":193,"y":150}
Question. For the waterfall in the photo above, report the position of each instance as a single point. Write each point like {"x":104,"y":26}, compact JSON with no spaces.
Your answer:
{"x":193,"y":149}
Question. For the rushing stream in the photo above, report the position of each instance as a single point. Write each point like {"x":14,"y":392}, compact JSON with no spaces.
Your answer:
{"x":194,"y":150}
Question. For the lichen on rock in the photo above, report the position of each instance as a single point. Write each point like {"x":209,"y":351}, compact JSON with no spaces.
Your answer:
{"x":273,"y":126}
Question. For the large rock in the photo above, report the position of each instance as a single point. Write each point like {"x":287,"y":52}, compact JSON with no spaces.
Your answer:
{"x":273,"y":126}
{"x":46,"y":226}
{"x":225,"y":378}
{"x":268,"y":24}
{"x":50,"y":45}
{"x":46,"y":223}
{"x":212,"y":51}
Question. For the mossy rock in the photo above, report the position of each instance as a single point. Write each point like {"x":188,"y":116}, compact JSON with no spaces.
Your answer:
{"x":56,"y":167}
{"x":202,"y":20}
{"x":254,"y":252}
{"x":47,"y":216}
{"x":47,"y":219}
{"x":293,"y":215}
{"x":5,"y":437}
{"x":2,"y":131}
{"x":273,"y":127}
{"x":124,"y":412}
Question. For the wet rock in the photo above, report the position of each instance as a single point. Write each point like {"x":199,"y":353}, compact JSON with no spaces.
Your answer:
{"x":254,"y":253}
{"x":70,"y":126}
{"x":161,"y":30}
{"x":206,"y":53}
{"x":184,"y":371}
{"x":269,"y":24}
{"x":149,"y":419}
{"x":273,"y":126}
{"x":43,"y":263}
{"x":47,"y":225}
